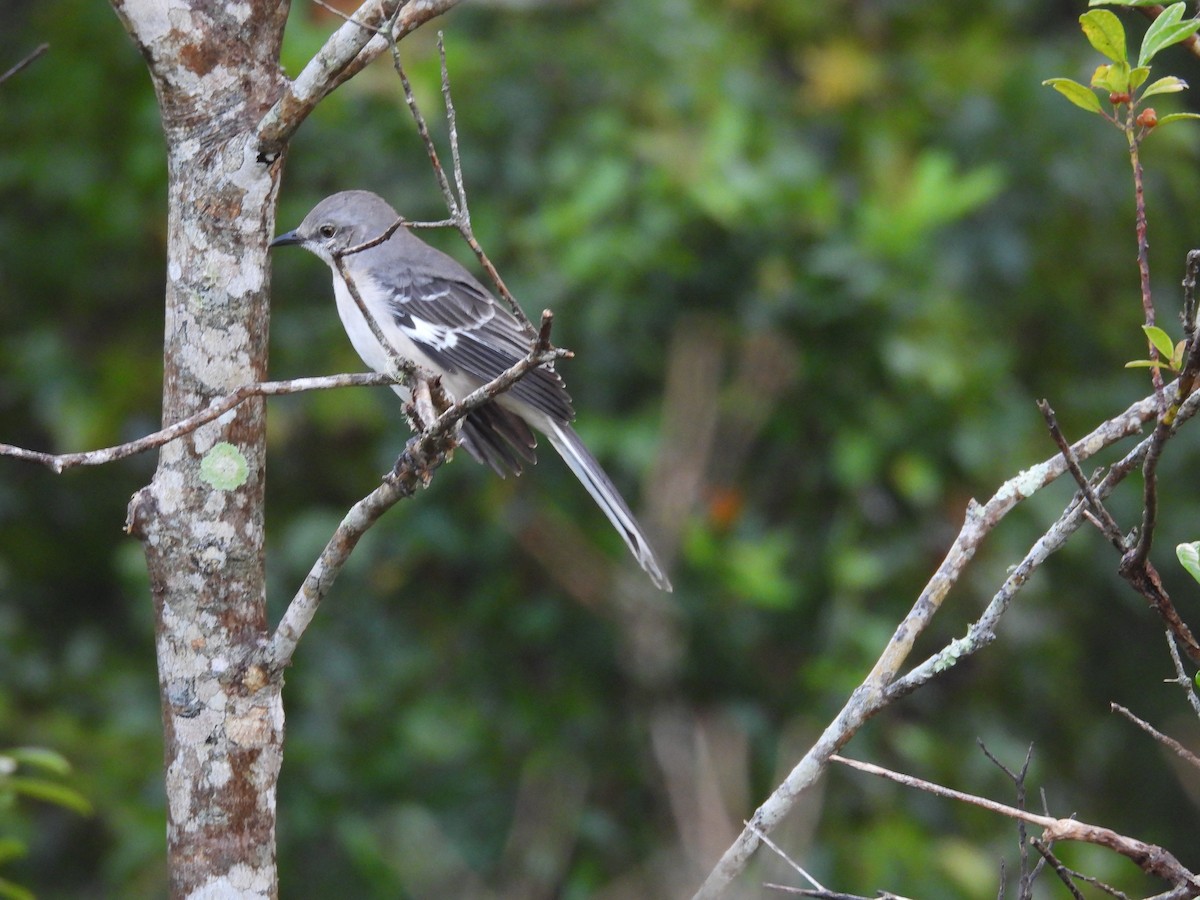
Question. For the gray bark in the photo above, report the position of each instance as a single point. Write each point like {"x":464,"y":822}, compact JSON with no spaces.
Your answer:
{"x":215,"y":71}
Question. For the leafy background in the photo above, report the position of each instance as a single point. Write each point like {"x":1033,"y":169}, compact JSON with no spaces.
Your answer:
{"x":881,"y":238}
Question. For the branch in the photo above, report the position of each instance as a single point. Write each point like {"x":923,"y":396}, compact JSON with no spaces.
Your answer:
{"x":1103,"y":518}
{"x":25,"y":62}
{"x":1169,"y":742}
{"x":881,"y":686}
{"x":347,"y":51}
{"x":456,"y":203}
{"x":1181,"y":677}
{"x":60,"y":462}
{"x":1150,"y":858}
{"x":425,"y":452}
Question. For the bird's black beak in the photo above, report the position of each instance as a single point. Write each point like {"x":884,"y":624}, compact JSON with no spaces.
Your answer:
{"x":288,"y":237}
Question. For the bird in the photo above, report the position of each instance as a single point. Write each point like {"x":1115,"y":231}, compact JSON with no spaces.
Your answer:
{"x":435,"y":313}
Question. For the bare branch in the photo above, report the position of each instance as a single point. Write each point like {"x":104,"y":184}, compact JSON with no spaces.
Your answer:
{"x":1181,"y":677}
{"x":881,"y":685}
{"x":25,"y":62}
{"x":347,"y":51}
{"x":1064,"y":874}
{"x":456,"y":203}
{"x":1150,"y":858}
{"x":59,"y":462}
{"x":787,"y":859}
{"x":1169,"y":742}
{"x":425,"y":452}
{"x":1101,"y":517}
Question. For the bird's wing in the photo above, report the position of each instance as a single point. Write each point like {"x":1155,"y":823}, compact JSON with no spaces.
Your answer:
{"x":461,"y":328}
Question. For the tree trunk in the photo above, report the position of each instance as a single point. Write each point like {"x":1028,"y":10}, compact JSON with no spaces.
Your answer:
{"x":215,"y":71}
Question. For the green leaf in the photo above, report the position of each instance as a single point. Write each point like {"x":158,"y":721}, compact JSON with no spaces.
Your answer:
{"x":1189,"y":558}
{"x":1177,"y":356}
{"x":51,"y":792}
{"x":1113,"y":77}
{"x":1104,"y":32}
{"x":1121,"y":2}
{"x":1160,"y":340}
{"x":1166,"y":30}
{"x":1175,"y":117}
{"x":1168,"y":85}
{"x":41,"y":758}
{"x":1077,"y":93}
{"x":1138,"y":77}
{"x":1145,"y":364}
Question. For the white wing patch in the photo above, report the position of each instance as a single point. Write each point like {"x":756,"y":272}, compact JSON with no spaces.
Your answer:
{"x":439,"y":337}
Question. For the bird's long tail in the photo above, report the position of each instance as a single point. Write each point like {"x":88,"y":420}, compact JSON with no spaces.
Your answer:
{"x":580,"y":460}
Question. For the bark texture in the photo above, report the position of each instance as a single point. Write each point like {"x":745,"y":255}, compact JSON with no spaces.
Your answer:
{"x":215,"y":71}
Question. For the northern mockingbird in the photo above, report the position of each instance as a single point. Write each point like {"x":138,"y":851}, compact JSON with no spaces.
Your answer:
{"x":433,"y":312}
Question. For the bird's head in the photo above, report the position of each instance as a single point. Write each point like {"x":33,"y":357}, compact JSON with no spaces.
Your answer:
{"x":339,"y":222}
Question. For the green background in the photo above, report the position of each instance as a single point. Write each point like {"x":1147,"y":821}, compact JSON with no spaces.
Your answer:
{"x":886,"y":238}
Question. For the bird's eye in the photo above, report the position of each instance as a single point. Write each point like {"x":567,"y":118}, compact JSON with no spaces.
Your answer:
{"x":327,"y":231}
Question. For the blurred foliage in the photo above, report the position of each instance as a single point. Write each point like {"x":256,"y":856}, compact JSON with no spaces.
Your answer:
{"x":892,"y":240}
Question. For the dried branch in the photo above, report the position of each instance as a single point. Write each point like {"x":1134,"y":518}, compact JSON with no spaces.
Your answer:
{"x":456,"y":202}
{"x":424,"y":453}
{"x":787,"y":859}
{"x":1103,"y":518}
{"x":59,"y":462}
{"x":1181,"y":677}
{"x":1150,"y":858}
{"x":1028,"y":875}
{"x":1064,"y":874}
{"x":882,"y":686}
{"x":25,"y":62}
{"x":347,"y":51}
{"x":1169,"y":742}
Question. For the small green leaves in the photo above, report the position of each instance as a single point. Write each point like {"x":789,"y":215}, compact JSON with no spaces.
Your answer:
{"x":1168,"y":85}
{"x":1113,"y":78}
{"x":1104,"y":32}
{"x":224,"y":467}
{"x":1117,"y":79}
{"x":1170,"y":354}
{"x":1160,"y":339}
{"x":1189,"y":558}
{"x":1175,"y":117}
{"x":1077,"y":93}
{"x":1165,"y":30}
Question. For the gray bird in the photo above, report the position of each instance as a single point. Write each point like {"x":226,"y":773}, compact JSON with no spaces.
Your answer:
{"x":435,"y":313}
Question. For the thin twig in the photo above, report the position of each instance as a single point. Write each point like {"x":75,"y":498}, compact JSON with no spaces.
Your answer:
{"x":453,"y":202}
{"x":1063,"y":873}
{"x":1167,"y":741}
{"x":456,"y":203}
{"x":59,"y":462}
{"x":26,"y":61}
{"x":1150,"y":858}
{"x":787,"y":859}
{"x":1143,"y":249}
{"x":1025,"y":881}
{"x":1100,"y":514}
{"x":1181,"y":677}
{"x":452,"y":132}
{"x":424,"y":453}
{"x":882,"y":685}
{"x":346,"y":52}
{"x":404,"y":371}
